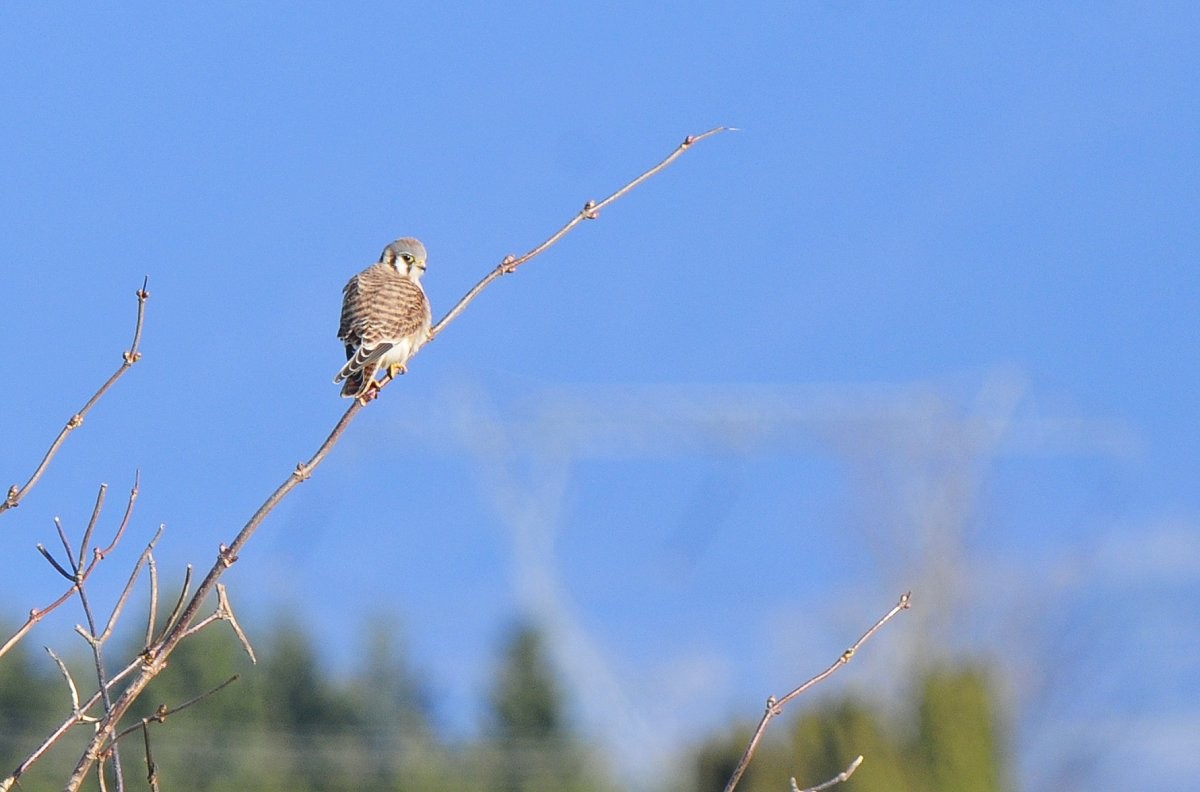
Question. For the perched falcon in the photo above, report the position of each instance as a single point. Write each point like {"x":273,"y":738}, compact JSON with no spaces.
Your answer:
{"x":385,"y":316}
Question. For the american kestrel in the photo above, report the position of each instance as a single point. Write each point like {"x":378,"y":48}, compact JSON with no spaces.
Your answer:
{"x":385,"y":316}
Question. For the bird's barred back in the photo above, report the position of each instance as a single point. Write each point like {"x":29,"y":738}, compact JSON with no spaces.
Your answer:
{"x":381,"y":304}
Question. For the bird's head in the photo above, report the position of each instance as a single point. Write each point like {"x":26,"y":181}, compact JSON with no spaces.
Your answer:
{"x":407,"y":255}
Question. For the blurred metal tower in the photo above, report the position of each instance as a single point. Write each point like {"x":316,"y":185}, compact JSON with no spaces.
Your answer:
{"x":916,"y":454}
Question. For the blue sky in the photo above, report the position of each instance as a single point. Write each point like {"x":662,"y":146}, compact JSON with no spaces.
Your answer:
{"x":927,"y":321}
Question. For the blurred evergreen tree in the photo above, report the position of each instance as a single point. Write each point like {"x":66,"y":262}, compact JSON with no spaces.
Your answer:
{"x":392,"y":716}
{"x":959,"y":735}
{"x":530,"y":746}
{"x":717,"y":758}
{"x":285,"y":725}
{"x":526,"y":701}
{"x":298,"y":696}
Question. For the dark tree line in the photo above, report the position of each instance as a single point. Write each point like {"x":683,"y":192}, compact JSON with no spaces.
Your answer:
{"x":286,"y":724}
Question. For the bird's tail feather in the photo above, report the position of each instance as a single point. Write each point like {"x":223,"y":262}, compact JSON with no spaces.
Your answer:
{"x":356,"y":384}
{"x":360,"y":360}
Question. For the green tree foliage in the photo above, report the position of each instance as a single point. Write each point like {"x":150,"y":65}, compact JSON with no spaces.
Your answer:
{"x":527,"y":705}
{"x":715,"y":761}
{"x":953,"y":745}
{"x":287,"y":724}
{"x":33,"y":700}
{"x":530,"y":747}
{"x":959,"y":738}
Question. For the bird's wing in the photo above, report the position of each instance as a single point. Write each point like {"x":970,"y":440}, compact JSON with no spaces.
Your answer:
{"x":351,"y":308}
{"x":405,"y":310}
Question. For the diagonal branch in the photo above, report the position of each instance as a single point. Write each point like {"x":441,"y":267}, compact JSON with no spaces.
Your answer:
{"x":155,"y":657}
{"x":128,"y":358}
{"x":775,"y":706}
{"x":837,"y":779}
{"x":590,"y":211}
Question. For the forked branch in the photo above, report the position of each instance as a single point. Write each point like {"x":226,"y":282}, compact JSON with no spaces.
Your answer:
{"x":80,"y":576}
{"x":837,"y":779}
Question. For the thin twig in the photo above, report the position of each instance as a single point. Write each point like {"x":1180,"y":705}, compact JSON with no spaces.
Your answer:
{"x":151,"y":767}
{"x":121,"y":600}
{"x":224,"y":612}
{"x":837,"y":779}
{"x":775,"y":706}
{"x":163,"y":711}
{"x":62,"y":667}
{"x":183,"y":592}
{"x":152,"y":611}
{"x":97,"y":646}
{"x":128,"y":358}
{"x":91,"y":526}
{"x":590,"y":211}
{"x":100,"y":781}
{"x":66,"y":545}
{"x":225,"y":607}
{"x":155,"y":656}
{"x":54,"y":563}
{"x":200,"y":625}
{"x":95,"y":641}
{"x":133,"y":493}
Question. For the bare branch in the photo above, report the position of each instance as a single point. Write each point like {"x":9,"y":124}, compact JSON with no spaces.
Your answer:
{"x":224,"y":612}
{"x":128,"y":358}
{"x":66,"y":544}
{"x":62,"y":667}
{"x":155,"y":656}
{"x":144,"y":558}
{"x":46,"y":555}
{"x":590,"y":211}
{"x":151,"y":767}
{"x":224,"y":606}
{"x":133,"y":493}
{"x":91,"y":526}
{"x":183,"y":592}
{"x":163,"y":711}
{"x":775,"y":706}
{"x":200,"y":625}
{"x":837,"y":779}
{"x":152,"y":611}
{"x":36,"y":615}
{"x":100,"y":782}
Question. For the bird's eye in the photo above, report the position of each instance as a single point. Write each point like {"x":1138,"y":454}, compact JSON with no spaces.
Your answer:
{"x":408,"y":257}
